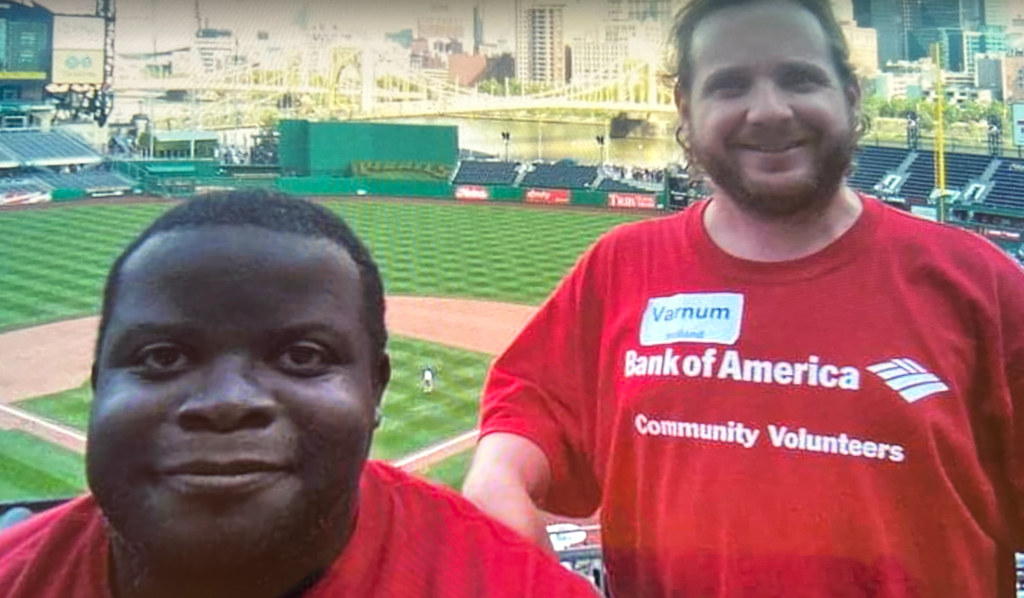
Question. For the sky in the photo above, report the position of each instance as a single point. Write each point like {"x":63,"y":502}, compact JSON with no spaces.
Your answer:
{"x":171,"y":23}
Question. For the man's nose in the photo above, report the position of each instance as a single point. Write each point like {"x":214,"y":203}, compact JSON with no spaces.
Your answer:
{"x":230,"y":399}
{"x":768,"y":104}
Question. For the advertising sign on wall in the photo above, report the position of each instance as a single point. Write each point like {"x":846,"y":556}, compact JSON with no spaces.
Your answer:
{"x":547,"y":196}
{"x":78,"y":49}
{"x":632,"y":200}
{"x":1018,"y":124}
{"x":472,"y":193}
{"x":78,"y":66}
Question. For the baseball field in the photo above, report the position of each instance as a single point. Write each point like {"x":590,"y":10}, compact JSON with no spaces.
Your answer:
{"x":461,"y":279}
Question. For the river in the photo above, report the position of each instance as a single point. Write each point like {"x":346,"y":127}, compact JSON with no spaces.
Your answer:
{"x":532,"y":140}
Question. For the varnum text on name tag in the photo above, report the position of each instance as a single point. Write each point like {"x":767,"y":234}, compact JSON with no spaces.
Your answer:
{"x":692,"y":318}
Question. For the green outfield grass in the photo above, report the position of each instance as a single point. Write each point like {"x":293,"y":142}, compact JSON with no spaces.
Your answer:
{"x":70,"y":407}
{"x":452,"y":471}
{"x":35,"y":469}
{"x":53,"y":262}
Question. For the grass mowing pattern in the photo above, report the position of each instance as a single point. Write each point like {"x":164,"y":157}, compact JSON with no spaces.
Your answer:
{"x":53,"y":262}
{"x":70,"y":407}
{"x":413,"y":420}
{"x":35,"y":469}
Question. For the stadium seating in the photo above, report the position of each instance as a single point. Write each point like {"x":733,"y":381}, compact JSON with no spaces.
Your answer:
{"x":962,"y":168}
{"x":615,"y":186}
{"x":479,"y":172}
{"x":873,"y":163}
{"x":56,"y":148}
{"x":88,"y":180}
{"x":921,"y":179}
{"x":561,"y":175}
{"x":1008,"y":185}
{"x":19,"y":189}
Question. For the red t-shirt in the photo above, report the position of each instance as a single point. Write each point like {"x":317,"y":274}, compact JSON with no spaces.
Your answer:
{"x":846,"y":424}
{"x":412,"y":539}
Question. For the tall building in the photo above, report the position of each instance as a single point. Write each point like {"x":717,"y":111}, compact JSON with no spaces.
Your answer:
{"x":863,"y":44}
{"x":596,"y":59}
{"x":891,"y":19}
{"x":440,"y":24}
{"x":990,"y":42}
{"x":941,"y":22}
{"x":641,"y":10}
{"x":997,"y":13}
{"x":478,"y":27}
{"x":862,"y":13}
{"x":908,"y":28}
{"x":860,"y":38}
{"x":843,"y":10}
{"x":540,"y":46}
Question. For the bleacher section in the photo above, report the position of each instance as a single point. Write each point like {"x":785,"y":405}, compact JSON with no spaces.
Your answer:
{"x":31,"y":186}
{"x":873,"y":163}
{"x":91,"y":181}
{"x":614,"y":186}
{"x":56,"y":148}
{"x":473,"y":172}
{"x":23,"y":190}
{"x":1008,"y":186}
{"x":962,"y":168}
{"x":921,"y":179}
{"x":561,"y":175}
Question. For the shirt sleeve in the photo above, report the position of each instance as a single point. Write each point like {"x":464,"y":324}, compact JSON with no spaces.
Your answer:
{"x":542,"y":388}
{"x":1012,"y":316}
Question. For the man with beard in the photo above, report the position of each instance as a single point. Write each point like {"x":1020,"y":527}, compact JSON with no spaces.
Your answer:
{"x":238,"y":377}
{"x":789,"y":389}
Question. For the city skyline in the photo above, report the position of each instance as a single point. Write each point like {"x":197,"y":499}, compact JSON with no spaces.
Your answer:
{"x":143,"y":24}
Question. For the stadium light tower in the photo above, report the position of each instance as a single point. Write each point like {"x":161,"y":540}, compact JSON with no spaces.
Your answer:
{"x":107,"y":10}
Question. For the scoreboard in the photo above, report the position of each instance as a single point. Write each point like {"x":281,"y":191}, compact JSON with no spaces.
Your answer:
{"x":25,"y":41}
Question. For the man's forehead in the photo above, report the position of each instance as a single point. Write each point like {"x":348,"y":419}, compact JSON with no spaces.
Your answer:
{"x":223,"y":247}
{"x":217,"y":271}
{"x":759,"y":33}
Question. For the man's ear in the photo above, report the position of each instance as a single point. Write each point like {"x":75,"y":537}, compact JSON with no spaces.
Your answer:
{"x":853,"y":98}
{"x":682,"y":101}
{"x":382,"y":375}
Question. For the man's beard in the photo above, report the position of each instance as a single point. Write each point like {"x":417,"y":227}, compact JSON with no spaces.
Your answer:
{"x":828,"y":170}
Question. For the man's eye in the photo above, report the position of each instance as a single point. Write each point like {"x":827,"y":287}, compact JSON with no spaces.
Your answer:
{"x":304,"y":357}
{"x":800,"y":79}
{"x":728,"y":86}
{"x":162,"y":358}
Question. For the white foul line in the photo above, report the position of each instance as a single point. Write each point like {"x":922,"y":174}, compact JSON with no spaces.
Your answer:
{"x":18,"y":413}
{"x":437,"y":448}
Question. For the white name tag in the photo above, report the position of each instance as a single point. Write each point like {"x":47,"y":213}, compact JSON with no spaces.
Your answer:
{"x":692,"y":318}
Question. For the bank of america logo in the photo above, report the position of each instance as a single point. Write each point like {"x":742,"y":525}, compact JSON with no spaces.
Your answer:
{"x":909,"y":379}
